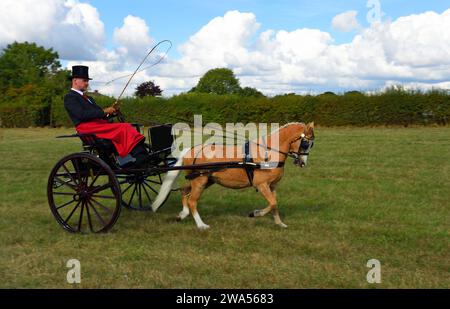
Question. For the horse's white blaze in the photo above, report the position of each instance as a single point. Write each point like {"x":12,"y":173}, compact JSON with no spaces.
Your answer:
{"x":168,"y":182}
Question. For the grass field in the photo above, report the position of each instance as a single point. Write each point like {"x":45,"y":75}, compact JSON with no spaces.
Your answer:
{"x":380,"y":193}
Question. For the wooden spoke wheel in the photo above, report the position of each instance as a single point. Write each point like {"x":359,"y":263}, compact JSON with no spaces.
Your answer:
{"x":140,"y":189}
{"x":84,"y":194}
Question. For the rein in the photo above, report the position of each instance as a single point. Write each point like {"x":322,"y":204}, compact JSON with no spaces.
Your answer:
{"x":290,"y":154}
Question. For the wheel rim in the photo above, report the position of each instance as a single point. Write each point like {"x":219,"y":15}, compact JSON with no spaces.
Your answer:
{"x":83,"y":194}
{"x":139,"y":190}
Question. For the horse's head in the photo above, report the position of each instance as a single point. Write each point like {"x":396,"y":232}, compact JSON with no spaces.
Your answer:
{"x":302,"y":145}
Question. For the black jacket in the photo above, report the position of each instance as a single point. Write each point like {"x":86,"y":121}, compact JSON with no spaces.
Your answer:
{"x":80,"y":110}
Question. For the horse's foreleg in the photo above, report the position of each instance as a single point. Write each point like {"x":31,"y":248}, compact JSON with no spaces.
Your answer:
{"x":276,"y":213}
{"x":185,"y":212}
{"x":271,"y":197}
{"x":260,"y":212}
{"x":197,"y":186}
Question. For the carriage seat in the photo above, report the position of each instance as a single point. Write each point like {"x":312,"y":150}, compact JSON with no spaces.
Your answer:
{"x":161,"y":140}
{"x":104,"y":148}
{"x":91,"y":141}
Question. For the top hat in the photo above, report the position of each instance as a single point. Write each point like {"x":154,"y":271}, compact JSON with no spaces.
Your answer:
{"x":80,"y":71}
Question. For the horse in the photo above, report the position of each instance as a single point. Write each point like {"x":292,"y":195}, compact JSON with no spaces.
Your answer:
{"x":293,"y":139}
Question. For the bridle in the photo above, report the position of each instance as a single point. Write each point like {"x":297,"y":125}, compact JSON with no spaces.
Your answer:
{"x":304,"y":147}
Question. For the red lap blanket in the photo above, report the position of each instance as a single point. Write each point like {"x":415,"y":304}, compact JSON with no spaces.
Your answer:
{"x":123,"y":135}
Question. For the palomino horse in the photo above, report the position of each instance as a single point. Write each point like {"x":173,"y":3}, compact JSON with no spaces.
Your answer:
{"x":293,"y":139}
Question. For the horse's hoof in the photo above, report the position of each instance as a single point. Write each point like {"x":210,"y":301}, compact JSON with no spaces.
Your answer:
{"x":255,"y":213}
{"x":203,"y":227}
{"x":282,"y":225}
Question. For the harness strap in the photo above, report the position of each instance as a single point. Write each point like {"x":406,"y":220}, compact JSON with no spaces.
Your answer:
{"x":247,"y":164}
{"x":248,"y":159}
{"x":266,"y":153}
{"x":196,"y":174}
{"x":251,"y":166}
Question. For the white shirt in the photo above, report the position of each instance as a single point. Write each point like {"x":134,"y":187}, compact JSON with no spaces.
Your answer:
{"x":80,"y":93}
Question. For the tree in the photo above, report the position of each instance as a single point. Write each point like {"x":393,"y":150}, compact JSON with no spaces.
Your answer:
{"x":218,"y":81}
{"x":148,"y":89}
{"x":30,"y":78}
{"x":250,"y":92}
{"x":353,"y":92}
{"x":328,"y":93}
{"x":26,"y":63}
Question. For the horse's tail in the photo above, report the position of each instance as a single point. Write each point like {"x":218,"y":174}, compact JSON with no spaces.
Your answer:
{"x":166,"y":186}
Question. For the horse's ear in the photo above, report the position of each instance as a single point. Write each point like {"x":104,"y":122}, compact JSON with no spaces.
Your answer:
{"x":311,"y":124}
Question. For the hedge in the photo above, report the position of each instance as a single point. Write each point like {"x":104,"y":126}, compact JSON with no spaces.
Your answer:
{"x":392,"y":107}
{"x":24,"y":107}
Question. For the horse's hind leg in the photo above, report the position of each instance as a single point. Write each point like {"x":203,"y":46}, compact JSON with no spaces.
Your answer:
{"x":197,"y":186}
{"x":271,"y":197}
{"x":186,"y":192}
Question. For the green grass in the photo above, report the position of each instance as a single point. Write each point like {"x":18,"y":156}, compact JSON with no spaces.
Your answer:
{"x":367,"y":193}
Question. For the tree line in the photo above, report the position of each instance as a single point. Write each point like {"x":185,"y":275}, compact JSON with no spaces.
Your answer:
{"x":33,"y":84}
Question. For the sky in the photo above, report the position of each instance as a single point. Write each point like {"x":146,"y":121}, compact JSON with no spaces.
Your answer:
{"x":275,"y":46}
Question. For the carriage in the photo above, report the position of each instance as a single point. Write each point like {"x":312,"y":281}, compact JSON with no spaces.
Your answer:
{"x":86,"y":190}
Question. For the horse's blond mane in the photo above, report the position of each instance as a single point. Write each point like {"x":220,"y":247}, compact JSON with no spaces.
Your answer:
{"x":287,"y":125}
{"x":290,"y":124}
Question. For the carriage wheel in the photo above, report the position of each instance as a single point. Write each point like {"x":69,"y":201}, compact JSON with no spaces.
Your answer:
{"x":139,"y":190}
{"x":84,"y":194}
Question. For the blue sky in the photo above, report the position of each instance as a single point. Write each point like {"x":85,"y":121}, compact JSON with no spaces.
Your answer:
{"x":177,"y":20}
{"x":312,"y":46}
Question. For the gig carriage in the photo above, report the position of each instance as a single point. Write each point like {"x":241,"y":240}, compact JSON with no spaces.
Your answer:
{"x":86,"y":190}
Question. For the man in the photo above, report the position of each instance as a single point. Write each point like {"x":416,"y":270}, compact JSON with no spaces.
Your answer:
{"x":89,"y":118}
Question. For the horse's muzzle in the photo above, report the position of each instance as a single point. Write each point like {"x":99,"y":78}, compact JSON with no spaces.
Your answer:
{"x":299,"y":162}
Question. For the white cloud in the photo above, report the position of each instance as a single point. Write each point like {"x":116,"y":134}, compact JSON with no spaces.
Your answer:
{"x":346,"y":21}
{"x":222,"y":42}
{"x":133,"y":42}
{"x":72,"y":28}
{"x":419,"y":40}
{"x":274,"y":61}
{"x":413,"y":50}
{"x":133,"y":38}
